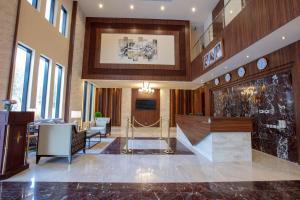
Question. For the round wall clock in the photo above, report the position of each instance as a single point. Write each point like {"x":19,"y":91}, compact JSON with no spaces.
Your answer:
{"x":241,"y":72}
{"x":227,"y":77}
{"x":262,"y":63}
{"x":217,"y":81}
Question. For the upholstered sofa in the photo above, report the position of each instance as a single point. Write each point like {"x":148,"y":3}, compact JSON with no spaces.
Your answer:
{"x":59,"y":140}
{"x":103,"y":125}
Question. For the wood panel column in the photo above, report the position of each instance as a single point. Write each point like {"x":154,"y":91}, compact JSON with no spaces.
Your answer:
{"x":296,"y":86}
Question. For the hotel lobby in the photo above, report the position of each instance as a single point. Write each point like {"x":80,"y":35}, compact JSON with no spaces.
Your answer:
{"x":149,"y":99}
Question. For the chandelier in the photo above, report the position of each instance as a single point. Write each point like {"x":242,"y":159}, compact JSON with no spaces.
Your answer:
{"x":146,"y":88}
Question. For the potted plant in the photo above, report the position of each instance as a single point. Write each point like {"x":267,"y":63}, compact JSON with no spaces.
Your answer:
{"x":98,"y":115}
{"x":8,"y":104}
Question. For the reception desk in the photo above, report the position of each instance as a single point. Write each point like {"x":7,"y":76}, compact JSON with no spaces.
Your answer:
{"x":217,"y":139}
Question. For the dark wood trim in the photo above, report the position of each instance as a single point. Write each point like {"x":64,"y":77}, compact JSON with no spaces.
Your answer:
{"x":296,"y":86}
{"x":13,"y":54}
{"x":197,"y":128}
{"x":70,"y":60}
{"x":92,"y":69}
{"x":243,"y":31}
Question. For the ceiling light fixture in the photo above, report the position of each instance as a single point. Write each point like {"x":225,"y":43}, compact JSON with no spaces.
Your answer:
{"x":131,"y":7}
{"x":248,"y":56}
{"x":146,"y":88}
{"x":100,"y":5}
{"x":162,"y":8}
{"x":283,"y":37}
{"x":231,"y":11}
{"x":193,"y":9}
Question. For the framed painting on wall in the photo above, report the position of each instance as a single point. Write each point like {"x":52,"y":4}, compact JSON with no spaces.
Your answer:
{"x":137,"y":49}
{"x":213,"y":55}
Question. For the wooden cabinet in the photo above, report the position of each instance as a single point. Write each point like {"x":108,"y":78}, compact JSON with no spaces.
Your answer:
{"x":13,"y":129}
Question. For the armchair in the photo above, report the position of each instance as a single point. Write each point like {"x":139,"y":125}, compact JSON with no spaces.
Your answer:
{"x":59,"y":140}
{"x":103,"y":125}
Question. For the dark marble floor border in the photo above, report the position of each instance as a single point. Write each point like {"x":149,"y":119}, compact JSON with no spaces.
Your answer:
{"x":117,"y":146}
{"x":263,"y":190}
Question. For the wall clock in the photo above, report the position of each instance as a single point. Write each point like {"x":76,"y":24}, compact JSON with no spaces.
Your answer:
{"x":227,"y":77}
{"x":241,"y":72}
{"x":262,"y":63}
{"x":217,"y":81}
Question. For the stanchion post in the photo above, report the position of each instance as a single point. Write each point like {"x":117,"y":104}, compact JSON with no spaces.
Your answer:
{"x":127,"y":150}
{"x":161,"y":128}
{"x":169,"y":150}
{"x":132,"y":128}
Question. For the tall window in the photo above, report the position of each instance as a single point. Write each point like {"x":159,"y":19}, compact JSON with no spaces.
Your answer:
{"x":21,"y":77}
{"x":85,"y":101}
{"x":91,"y":108}
{"x":34,"y":3}
{"x":88,"y":102}
{"x":63,"y":21}
{"x":42,"y":87}
{"x":57,"y":92}
{"x":50,"y":11}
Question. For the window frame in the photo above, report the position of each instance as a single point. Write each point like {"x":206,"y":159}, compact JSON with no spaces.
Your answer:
{"x":85,"y":89}
{"x":45,"y":86}
{"x":52,"y":8}
{"x":57,"y":110}
{"x":63,"y":21}
{"x":27,"y":75}
{"x":35,"y":3}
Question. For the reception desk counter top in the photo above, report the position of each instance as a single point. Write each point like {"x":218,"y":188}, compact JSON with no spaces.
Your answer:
{"x":197,"y":128}
{"x":217,"y":139}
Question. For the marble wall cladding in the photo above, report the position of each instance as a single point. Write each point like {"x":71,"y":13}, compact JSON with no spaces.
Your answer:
{"x":8,"y":14}
{"x":76,"y":81}
{"x":270,"y":102}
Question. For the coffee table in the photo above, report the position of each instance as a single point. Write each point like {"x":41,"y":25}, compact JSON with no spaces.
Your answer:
{"x":90,"y":134}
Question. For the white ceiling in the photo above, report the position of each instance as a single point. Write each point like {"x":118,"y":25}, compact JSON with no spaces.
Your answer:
{"x":150,"y":9}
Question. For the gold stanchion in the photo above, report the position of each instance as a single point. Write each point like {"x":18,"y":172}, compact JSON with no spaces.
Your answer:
{"x":161,"y":129}
{"x":169,"y":150}
{"x":132,"y":127}
{"x":127,"y":150}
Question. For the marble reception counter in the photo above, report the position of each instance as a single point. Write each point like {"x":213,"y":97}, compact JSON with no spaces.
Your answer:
{"x":217,"y":139}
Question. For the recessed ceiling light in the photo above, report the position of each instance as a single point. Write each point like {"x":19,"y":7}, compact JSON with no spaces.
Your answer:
{"x":131,"y":7}
{"x":100,"y":5}
{"x":248,"y":56}
{"x":231,"y":11}
{"x":283,"y":37}
{"x":162,"y":8}
{"x":193,"y":9}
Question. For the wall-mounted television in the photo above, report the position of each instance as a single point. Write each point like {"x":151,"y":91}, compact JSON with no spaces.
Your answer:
{"x":145,"y":104}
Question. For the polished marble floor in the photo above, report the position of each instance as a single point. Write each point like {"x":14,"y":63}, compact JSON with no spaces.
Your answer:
{"x":162,"y":168}
{"x":146,"y":146}
{"x":282,"y":190}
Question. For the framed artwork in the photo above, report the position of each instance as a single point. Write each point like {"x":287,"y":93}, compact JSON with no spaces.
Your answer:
{"x":122,"y":48}
{"x":213,"y":55}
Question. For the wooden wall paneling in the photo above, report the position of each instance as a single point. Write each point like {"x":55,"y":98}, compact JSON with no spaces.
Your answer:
{"x":108,"y":102}
{"x":70,"y":61}
{"x":96,"y":26}
{"x":146,"y":117}
{"x":217,"y":18}
{"x":258,"y":19}
{"x":296,"y":85}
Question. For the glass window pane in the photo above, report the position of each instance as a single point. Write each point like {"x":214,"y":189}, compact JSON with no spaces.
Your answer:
{"x":63,"y":21}
{"x":42,"y":86}
{"x":56,"y":112}
{"x":50,"y":9}
{"x":34,"y":3}
{"x":21,"y":78}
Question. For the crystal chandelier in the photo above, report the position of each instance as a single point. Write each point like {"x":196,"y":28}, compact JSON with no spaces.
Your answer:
{"x":146,"y":88}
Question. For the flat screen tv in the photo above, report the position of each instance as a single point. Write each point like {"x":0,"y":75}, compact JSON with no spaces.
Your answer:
{"x":145,"y":104}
